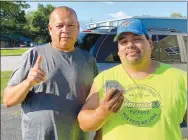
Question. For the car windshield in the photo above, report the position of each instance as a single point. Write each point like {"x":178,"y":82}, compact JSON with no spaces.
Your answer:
{"x":87,"y":40}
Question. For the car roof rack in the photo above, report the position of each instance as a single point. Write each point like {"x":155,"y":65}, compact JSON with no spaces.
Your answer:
{"x":151,"y":29}
{"x":163,"y":29}
{"x":98,"y":27}
{"x":113,"y":29}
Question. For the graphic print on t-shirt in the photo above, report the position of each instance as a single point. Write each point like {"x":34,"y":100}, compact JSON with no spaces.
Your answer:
{"x":141,"y":105}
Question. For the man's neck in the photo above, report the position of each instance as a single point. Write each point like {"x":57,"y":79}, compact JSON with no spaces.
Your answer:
{"x":61,"y":48}
{"x":141,"y":70}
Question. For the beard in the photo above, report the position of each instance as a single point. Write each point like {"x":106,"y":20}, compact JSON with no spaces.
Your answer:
{"x":134,"y":59}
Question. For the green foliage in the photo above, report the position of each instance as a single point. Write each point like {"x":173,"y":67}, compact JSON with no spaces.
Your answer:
{"x":12,"y":16}
{"x":16,"y":23}
{"x":12,"y":19}
{"x":5,"y":75}
{"x":38,"y":23}
{"x":176,"y":15}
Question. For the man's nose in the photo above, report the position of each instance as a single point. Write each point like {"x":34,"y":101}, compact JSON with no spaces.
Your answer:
{"x":65,"y":29}
{"x":130,"y":44}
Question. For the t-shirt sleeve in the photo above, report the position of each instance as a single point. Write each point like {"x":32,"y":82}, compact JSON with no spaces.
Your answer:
{"x":22,"y":70}
{"x":92,"y":64}
{"x":95,"y":68}
{"x":183,"y":97}
{"x":99,"y":82}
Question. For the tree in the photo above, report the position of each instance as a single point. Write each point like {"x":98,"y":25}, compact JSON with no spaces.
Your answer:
{"x":12,"y":18}
{"x":12,"y":15}
{"x":176,"y":15}
{"x":38,"y":23}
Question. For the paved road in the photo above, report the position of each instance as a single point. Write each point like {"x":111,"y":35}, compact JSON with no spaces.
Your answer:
{"x":10,"y":123}
{"x":9,"y":62}
{"x":10,"y":118}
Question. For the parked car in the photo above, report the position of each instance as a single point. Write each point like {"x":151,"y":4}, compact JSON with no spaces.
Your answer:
{"x":22,"y":45}
{"x":32,"y":44}
{"x":170,"y":46}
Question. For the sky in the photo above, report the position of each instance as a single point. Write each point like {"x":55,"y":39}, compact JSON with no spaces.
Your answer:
{"x":101,"y":11}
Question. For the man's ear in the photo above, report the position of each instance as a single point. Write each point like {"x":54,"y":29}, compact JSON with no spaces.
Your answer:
{"x":150,"y":42}
{"x":49,"y":29}
{"x":78,"y":25}
{"x":118,"y":51}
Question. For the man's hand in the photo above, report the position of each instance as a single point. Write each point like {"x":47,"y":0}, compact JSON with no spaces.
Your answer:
{"x":94,"y":114}
{"x":36,"y":74}
{"x":112,"y":101}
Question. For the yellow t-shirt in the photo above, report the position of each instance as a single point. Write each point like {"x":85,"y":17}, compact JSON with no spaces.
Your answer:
{"x":153,"y":107}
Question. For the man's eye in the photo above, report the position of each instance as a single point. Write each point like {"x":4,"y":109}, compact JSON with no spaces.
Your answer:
{"x":71,"y":25}
{"x":124,"y":41}
{"x":59,"y":26}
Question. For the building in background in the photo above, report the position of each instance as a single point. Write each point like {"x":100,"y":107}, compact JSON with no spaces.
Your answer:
{"x":12,"y":41}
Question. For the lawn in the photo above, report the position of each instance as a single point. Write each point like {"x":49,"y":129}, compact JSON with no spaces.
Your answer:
{"x":5,"y":75}
{"x":13,"y":52}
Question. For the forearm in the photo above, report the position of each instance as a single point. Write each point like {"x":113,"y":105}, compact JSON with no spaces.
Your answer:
{"x":92,"y":120}
{"x":16,"y":94}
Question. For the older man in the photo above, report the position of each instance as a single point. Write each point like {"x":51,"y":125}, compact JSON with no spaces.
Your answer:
{"x":52,"y":82}
{"x":139,"y":99}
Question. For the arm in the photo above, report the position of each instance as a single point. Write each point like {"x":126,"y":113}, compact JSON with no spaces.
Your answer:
{"x":92,"y":102}
{"x":94,"y":114}
{"x":14,"y":95}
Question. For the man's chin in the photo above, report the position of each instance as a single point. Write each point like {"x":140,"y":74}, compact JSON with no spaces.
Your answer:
{"x":64,"y":43}
{"x":134,"y":61}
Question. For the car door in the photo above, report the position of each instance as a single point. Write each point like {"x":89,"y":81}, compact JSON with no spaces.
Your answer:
{"x":172,"y":50}
{"x":107,"y":55}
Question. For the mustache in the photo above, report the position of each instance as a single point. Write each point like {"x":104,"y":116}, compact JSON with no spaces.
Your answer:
{"x":66,"y":36}
{"x":133,"y":50}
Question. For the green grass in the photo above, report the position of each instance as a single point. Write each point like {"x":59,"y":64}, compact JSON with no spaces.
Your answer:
{"x":13,"y":52}
{"x":5,"y":75}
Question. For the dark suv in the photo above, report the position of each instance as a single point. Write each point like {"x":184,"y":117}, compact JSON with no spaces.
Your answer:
{"x":170,"y":46}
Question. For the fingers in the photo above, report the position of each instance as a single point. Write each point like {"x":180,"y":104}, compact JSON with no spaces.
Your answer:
{"x":38,"y":74}
{"x":38,"y":62}
{"x":118,"y":104}
{"x":36,"y":79}
{"x":37,"y":66}
{"x":114,"y":98}
{"x":39,"y":70}
{"x":109,"y":94}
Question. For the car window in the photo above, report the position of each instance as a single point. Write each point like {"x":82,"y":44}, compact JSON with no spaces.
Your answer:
{"x":169,"y":48}
{"x":155,"y":51}
{"x":87,"y":40}
{"x":108,"y":51}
